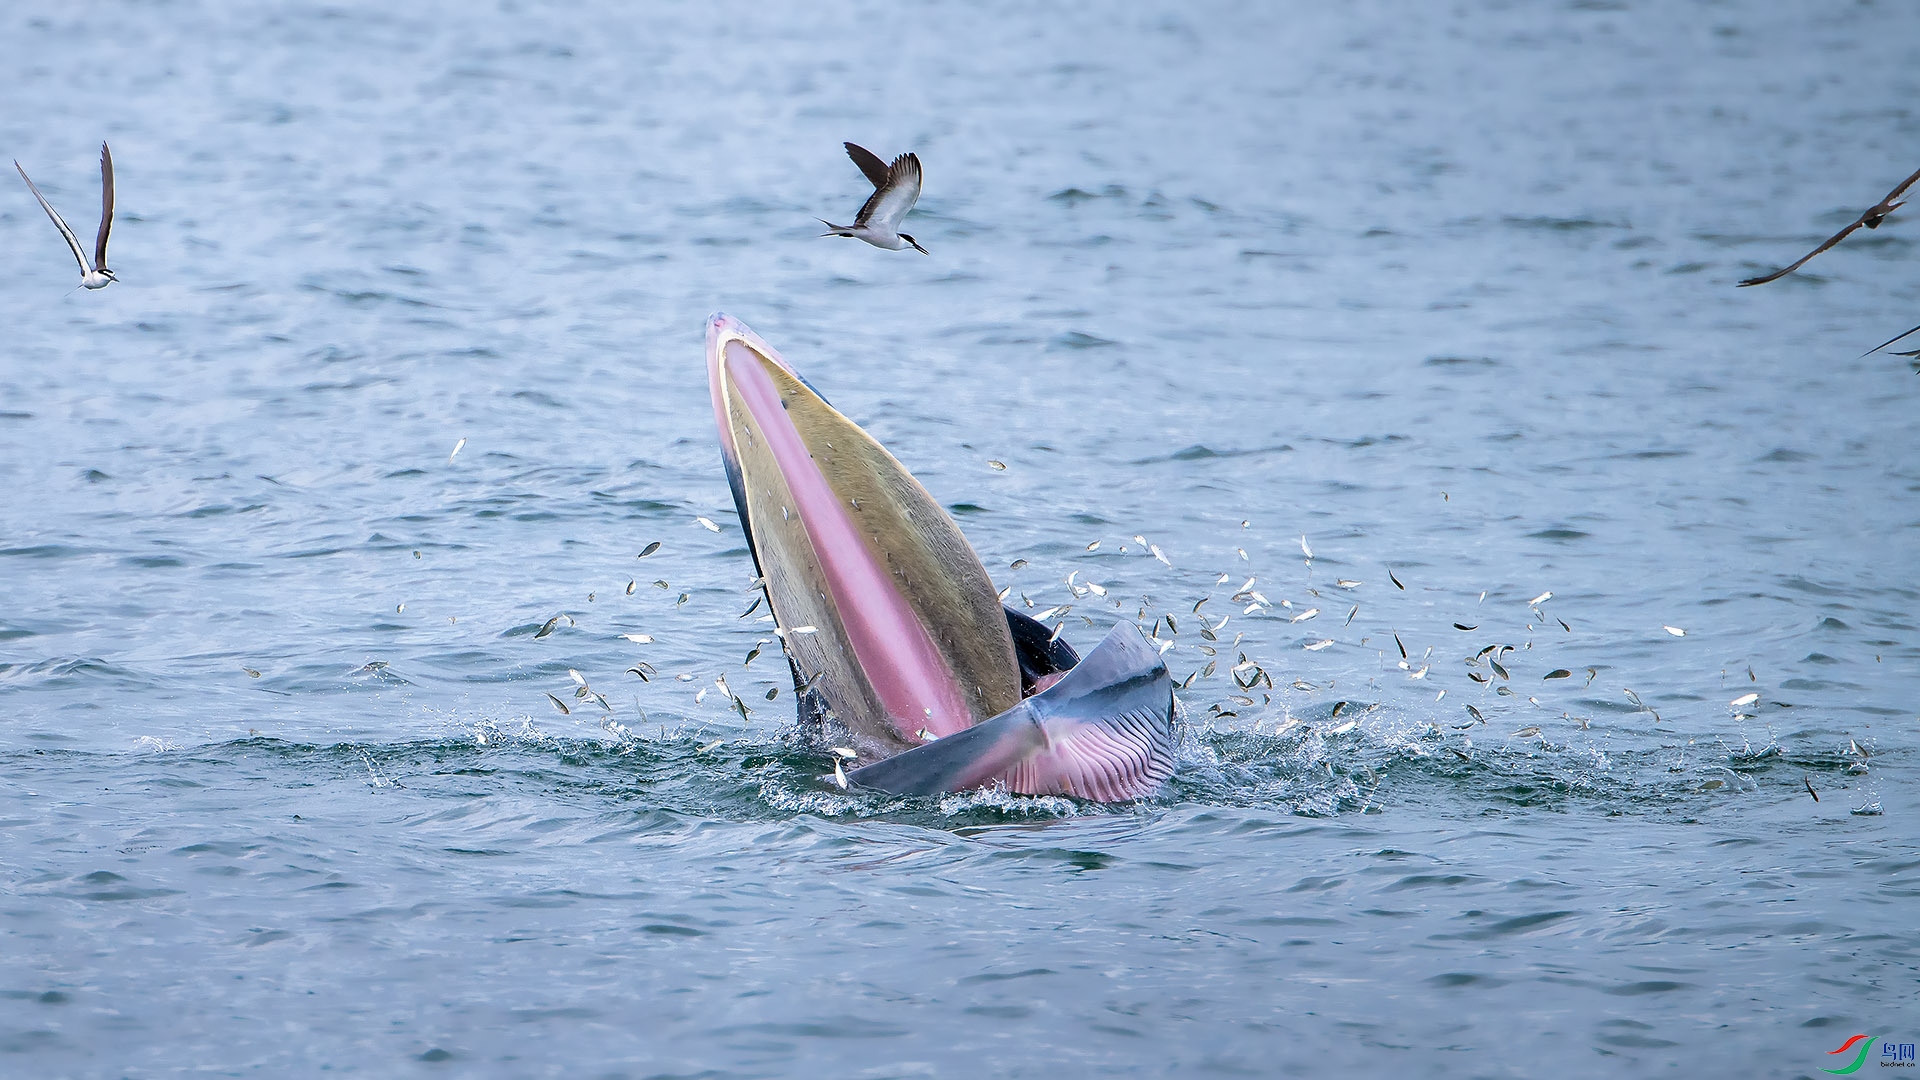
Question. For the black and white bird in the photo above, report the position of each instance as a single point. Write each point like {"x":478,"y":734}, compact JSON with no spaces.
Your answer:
{"x":896,"y":188}
{"x":93,"y":275}
{"x":1871,"y":218}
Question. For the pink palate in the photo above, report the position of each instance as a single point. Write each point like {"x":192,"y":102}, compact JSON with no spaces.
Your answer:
{"x":907,"y":672}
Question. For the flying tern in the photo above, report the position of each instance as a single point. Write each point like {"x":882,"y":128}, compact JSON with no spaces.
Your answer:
{"x":94,"y":274}
{"x":1871,"y":219}
{"x":896,"y":188}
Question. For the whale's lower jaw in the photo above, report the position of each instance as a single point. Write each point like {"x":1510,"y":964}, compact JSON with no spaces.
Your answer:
{"x":895,"y":632}
{"x":1104,"y":731}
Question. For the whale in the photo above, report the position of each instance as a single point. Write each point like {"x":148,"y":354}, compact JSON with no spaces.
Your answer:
{"x":901,"y":651}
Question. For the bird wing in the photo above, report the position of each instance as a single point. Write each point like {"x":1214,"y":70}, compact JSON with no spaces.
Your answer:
{"x":888,"y":206}
{"x":1831,"y":240}
{"x":58,"y":221}
{"x":106,"y":207}
{"x":870,"y":164}
{"x":1871,"y":219}
{"x":1888,"y":342}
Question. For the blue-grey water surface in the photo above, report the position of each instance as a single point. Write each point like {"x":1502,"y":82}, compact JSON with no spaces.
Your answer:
{"x":1441,"y":293}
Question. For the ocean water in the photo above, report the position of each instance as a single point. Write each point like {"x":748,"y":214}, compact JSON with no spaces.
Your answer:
{"x":1412,"y":314}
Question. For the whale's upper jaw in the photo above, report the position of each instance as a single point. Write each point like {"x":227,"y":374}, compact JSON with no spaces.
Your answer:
{"x":908,"y":641}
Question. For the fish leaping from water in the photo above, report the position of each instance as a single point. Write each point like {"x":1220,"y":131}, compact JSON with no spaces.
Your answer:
{"x":1871,"y":218}
{"x":94,"y":274}
{"x":896,"y":188}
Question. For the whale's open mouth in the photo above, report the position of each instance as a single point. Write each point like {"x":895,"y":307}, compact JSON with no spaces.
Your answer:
{"x":908,"y":638}
{"x":898,"y":640}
